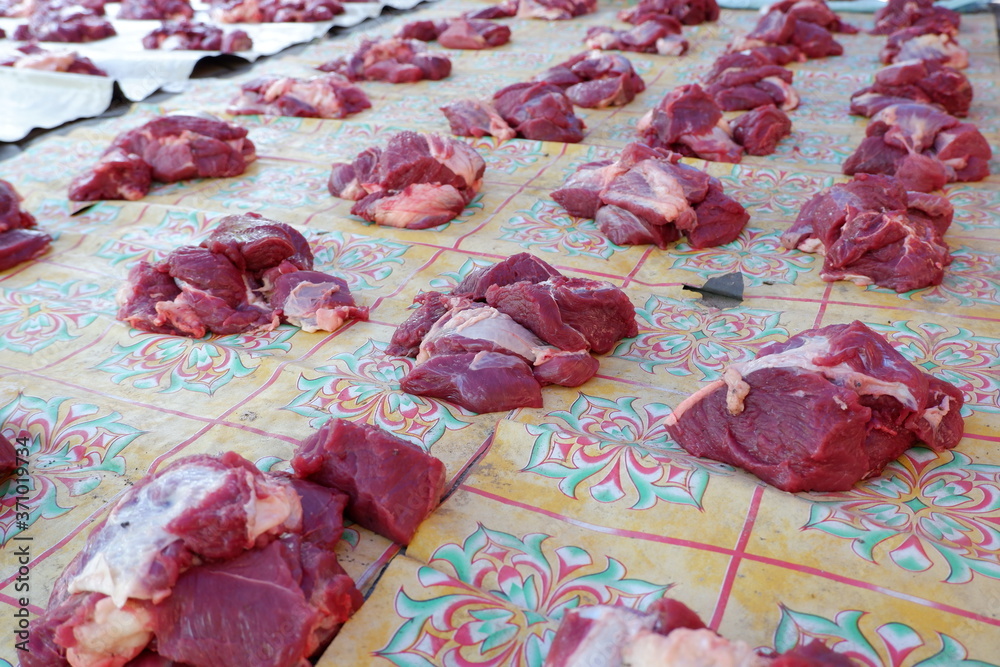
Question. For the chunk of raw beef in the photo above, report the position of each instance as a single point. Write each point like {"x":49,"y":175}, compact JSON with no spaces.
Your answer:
{"x":922,"y":81}
{"x":417,"y":181}
{"x":516,"y":268}
{"x":915,"y":43}
{"x":274,"y":11}
{"x":65,"y":21}
{"x":476,"y":118}
{"x":501,"y":10}
{"x":760,"y":130}
{"x":431,"y":306}
{"x":392,"y":485}
{"x":176,"y":572}
{"x":425,"y":31}
{"x":660,"y":35}
{"x":117,"y":175}
{"x":19,"y":241}
{"x":814,"y":11}
{"x":820,"y":412}
{"x":596,"y":80}
{"x":12,"y":216}
{"x":195,"y":36}
{"x":779,"y":29}
{"x":554,"y":10}
{"x":478,"y":381}
{"x":539,"y":111}
{"x":327,"y":96}
{"x":872,"y":230}
{"x":922,"y":146}
{"x":688,"y":12}
{"x":393,"y":60}
{"x":156,"y":10}
{"x":747,"y":80}
{"x":689,"y":121}
{"x":8,"y":459}
{"x":474,"y":34}
{"x":38,"y":58}
{"x":315,"y":301}
{"x":898,"y":14}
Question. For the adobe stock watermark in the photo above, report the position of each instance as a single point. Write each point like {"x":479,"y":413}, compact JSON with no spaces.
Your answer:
{"x":21,"y":545}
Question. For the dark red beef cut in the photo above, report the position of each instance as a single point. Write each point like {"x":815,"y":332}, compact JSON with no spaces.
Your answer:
{"x":923,"y":81}
{"x":478,"y":381}
{"x":667,"y":633}
{"x":473,"y":34}
{"x":407,"y":337}
{"x":425,"y":31}
{"x":661,"y":35}
{"x":38,"y":58}
{"x":274,"y":11}
{"x":12,"y":216}
{"x":315,"y":301}
{"x":898,"y":14}
{"x":168,"y":149}
{"x":187,"y":35}
{"x":156,"y":10}
{"x":746,"y":80}
{"x":539,"y":111}
{"x":814,"y":11}
{"x":516,"y":268}
{"x":392,"y":485}
{"x":872,"y":230}
{"x":417,"y":181}
{"x":922,"y":146}
{"x":596,"y":80}
{"x":555,"y":10}
{"x":687,"y":121}
{"x":501,"y":10}
{"x":392,"y":60}
{"x":923,"y":42}
{"x":8,"y":459}
{"x":778,"y":28}
{"x":176,"y":573}
{"x":328,"y":96}
{"x":476,"y":118}
{"x":688,"y":12}
{"x":820,"y":412}
{"x":65,"y":21}
{"x":19,"y":241}
{"x":760,"y":130}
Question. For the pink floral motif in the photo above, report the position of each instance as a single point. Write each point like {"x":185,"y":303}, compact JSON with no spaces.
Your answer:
{"x":769,"y":190}
{"x":362,"y":261}
{"x":548,"y":228}
{"x":757,"y":254}
{"x":35,"y":316}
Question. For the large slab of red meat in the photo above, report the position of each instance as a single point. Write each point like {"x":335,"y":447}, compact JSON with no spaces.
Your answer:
{"x":417,"y":181}
{"x":667,"y":634}
{"x":596,"y":80}
{"x":391,"y":484}
{"x":156,"y":10}
{"x":250,"y":273}
{"x":872,"y":231}
{"x":821,"y":411}
{"x":274,"y":11}
{"x":179,"y":568}
{"x":507,"y":330}
{"x":923,"y":81}
{"x":922,"y":146}
{"x":327,"y":96}
{"x":35,"y":57}
{"x":167,"y":149}
{"x":657,"y":34}
{"x":19,"y":240}
{"x":688,"y":12}
{"x":648,"y":196}
{"x":187,"y":35}
{"x":65,"y":21}
{"x":392,"y":60}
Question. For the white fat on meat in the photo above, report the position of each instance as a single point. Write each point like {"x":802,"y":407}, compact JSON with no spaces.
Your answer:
{"x":611,"y":630}
{"x":934,"y":415}
{"x":485,"y":323}
{"x":688,"y":648}
{"x":300,"y":308}
{"x":110,"y":637}
{"x":416,"y":202}
{"x":136,"y":529}
{"x":458,"y":156}
{"x":791,"y":97}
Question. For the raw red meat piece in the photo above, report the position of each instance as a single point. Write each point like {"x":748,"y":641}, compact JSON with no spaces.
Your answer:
{"x":964,"y":149}
{"x":747,"y":80}
{"x":407,"y":337}
{"x":253,"y":243}
{"x":660,"y":34}
{"x":917,"y":43}
{"x":554,"y":10}
{"x":19,"y":241}
{"x":8,"y":459}
{"x":315,"y":301}
{"x":475,"y":118}
{"x":898,"y":14}
{"x":596,"y":80}
{"x":516,"y":268}
{"x":327,"y":96}
{"x":425,"y":31}
{"x":478,"y":381}
{"x":760,"y":130}
{"x":12,"y":216}
{"x":462,"y":33}
{"x":65,"y":21}
{"x":814,"y":11}
{"x":539,"y":111}
{"x":625,"y":228}
{"x":580,"y":195}
{"x":923,"y":81}
{"x":417,"y":181}
{"x":688,"y":12}
{"x":393,"y":60}
{"x":117,"y":175}
{"x":720,"y":219}
{"x":564,"y":368}
{"x":195,"y":36}
{"x":689,"y":121}
{"x":780,"y":29}
{"x":274,"y":11}
{"x":503,"y":9}
{"x":392,"y":484}
{"x":157,"y":10}
{"x":820,"y":412}
{"x":145,"y":287}
{"x":38,"y":58}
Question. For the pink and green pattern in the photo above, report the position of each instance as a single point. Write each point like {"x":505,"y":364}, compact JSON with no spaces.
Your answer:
{"x":759,"y":255}
{"x":362,"y":261}
{"x":546,"y":227}
{"x":44,"y":313}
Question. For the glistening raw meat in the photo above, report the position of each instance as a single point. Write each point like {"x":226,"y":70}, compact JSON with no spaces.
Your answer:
{"x":38,"y":58}
{"x":167,"y":149}
{"x":182,"y":562}
{"x":458,"y":33}
{"x":897,"y":14}
{"x":688,"y":12}
{"x":750,"y":79}
{"x":596,"y":80}
{"x":821,"y":411}
{"x":65,"y":21}
{"x":417,"y":181}
{"x":19,"y":241}
{"x":660,"y":34}
{"x":393,"y":60}
{"x":689,"y":121}
{"x":327,"y":96}
{"x":537,"y":110}
{"x":923,"y":81}
{"x":187,"y":35}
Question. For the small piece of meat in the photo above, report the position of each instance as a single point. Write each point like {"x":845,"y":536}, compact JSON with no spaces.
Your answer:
{"x":474,"y":34}
{"x":501,"y":10}
{"x":742,"y":82}
{"x":408,"y":336}
{"x":688,"y":12}
{"x":187,"y":35}
{"x":144,"y":288}
{"x":820,"y":412}
{"x":596,"y":80}
{"x":626,"y":228}
{"x":425,"y":31}
{"x":539,"y":111}
{"x":274,"y":11}
{"x":915,"y":43}
{"x":566,"y":369}
{"x":475,"y":118}
{"x":117,"y":175}
{"x":898,"y":14}
{"x":38,"y":58}
{"x":760,"y":130}
{"x":392,"y":485}
{"x":22,"y":245}
{"x":327,"y":96}
{"x":417,"y":206}
{"x":516,"y":268}
{"x":392,"y":60}
{"x":478,"y":381}
{"x":923,"y":81}
{"x":253,"y":243}
{"x":555,"y":10}
{"x":8,"y":459}
{"x":12,"y":216}
{"x":689,"y":121}
{"x":580,"y":195}
{"x":719,"y":219}
{"x":661,"y":35}
{"x":65,"y":21}
{"x":315,"y":301}
{"x":156,"y":10}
